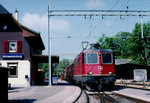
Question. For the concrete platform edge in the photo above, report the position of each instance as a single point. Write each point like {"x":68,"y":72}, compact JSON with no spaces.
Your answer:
{"x":133,"y":87}
{"x":74,"y":97}
{"x":132,"y":96}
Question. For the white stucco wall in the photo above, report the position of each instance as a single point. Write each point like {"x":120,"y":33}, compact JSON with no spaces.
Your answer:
{"x":23,"y":69}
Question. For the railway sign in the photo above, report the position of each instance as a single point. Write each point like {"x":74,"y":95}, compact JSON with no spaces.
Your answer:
{"x":12,"y":56}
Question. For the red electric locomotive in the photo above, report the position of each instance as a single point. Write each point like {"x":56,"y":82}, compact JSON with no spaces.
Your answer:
{"x":94,"y":68}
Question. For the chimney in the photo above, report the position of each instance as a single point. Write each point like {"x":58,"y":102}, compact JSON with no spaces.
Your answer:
{"x":16,"y":15}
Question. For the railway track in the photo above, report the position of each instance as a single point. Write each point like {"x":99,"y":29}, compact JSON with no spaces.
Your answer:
{"x":91,"y":96}
{"x":100,"y":97}
{"x":118,"y":95}
{"x":109,"y":97}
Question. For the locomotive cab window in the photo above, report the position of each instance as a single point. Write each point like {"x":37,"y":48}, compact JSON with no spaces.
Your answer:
{"x":92,"y":58}
{"x":107,"y":58}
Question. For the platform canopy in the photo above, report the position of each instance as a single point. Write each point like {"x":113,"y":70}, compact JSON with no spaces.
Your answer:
{"x":44,"y":58}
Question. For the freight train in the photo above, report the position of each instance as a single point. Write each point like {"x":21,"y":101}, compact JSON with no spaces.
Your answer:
{"x":94,"y":68}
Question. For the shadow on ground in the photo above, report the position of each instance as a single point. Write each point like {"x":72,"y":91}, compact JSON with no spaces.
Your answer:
{"x":12,"y":91}
{"x":22,"y":101}
{"x":64,"y":84}
{"x":13,"y":88}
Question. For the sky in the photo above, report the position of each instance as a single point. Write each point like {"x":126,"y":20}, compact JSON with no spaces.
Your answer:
{"x":33,"y":14}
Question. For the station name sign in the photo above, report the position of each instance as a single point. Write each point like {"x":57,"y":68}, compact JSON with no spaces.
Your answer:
{"x":12,"y":56}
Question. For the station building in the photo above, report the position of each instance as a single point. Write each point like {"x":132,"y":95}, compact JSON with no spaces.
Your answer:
{"x":21,"y":49}
{"x":130,"y":71}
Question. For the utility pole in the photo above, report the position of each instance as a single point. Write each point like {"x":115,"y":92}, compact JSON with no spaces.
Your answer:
{"x":49,"y":48}
{"x":142,"y":35}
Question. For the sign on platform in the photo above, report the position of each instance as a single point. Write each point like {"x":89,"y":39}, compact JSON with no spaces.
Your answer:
{"x":140,"y":75}
{"x":54,"y":80}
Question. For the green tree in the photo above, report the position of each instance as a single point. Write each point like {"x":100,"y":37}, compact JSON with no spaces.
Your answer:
{"x":122,"y":43}
{"x":57,"y":68}
{"x":140,"y":46}
{"x":45,"y":67}
{"x":106,"y":42}
{"x":130,"y":45}
{"x":118,"y":43}
{"x":64,"y":63}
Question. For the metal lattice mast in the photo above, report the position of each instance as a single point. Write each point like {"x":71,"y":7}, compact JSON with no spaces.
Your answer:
{"x":99,"y":13}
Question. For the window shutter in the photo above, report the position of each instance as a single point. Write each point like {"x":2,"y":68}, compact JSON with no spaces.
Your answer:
{"x":6,"y":46}
{"x":19,"y":46}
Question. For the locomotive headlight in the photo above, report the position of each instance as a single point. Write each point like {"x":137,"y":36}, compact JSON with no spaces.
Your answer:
{"x":90,"y":73}
{"x":110,"y":72}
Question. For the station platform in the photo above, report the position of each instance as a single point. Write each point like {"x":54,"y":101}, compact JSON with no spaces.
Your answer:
{"x":137,"y":90}
{"x":64,"y":92}
{"x":61,"y":93}
{"x":132,"y":84}
{"x":142,"y":95}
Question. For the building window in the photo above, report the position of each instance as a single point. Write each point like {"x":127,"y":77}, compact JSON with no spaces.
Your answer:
{"x":13,"y":73}
{"x":4,"y":27}
{"x":13,"y":46}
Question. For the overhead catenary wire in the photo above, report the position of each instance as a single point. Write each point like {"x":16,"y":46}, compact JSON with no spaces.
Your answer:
{"x":71,"y":37}
{"x":102,"y":13}
{"x":97,"y":24}
{"x":102,"y":17}
{"x":99,"y":13}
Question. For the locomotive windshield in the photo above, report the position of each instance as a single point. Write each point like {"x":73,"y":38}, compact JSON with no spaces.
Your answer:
{"x":107,"y":58}
{"x":92,"y":58}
